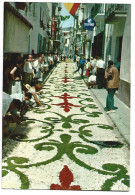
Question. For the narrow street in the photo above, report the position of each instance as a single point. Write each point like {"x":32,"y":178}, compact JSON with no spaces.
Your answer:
{"x":70,"y":144}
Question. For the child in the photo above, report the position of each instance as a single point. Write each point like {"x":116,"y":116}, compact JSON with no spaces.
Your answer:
{"x":88,"y":68}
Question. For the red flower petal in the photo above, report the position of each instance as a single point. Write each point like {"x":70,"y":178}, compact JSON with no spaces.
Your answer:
{"x":55,"y":187}
{"x":66,"y":176}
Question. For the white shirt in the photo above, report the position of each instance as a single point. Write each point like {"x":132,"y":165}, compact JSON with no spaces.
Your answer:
{"x":28,"y":67}
{"x":92,"y":78}
{"x":93,"y":62}
{"x":46,"y":59}
{"x":87,"y":65}
{"x":37,"y":66}
{"x":100,"y":64}
{"x":78,"y":58}
{"x":50,"y":59}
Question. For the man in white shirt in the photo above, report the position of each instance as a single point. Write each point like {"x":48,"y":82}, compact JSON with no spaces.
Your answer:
{"x":55,"y":59}
{"x":43,"y":58}
{"x":28,"y":71}
{"x":38,"y":70}
{"x":50,"y":61}
{"x":93,"y":63}
{"x":100,"y":73}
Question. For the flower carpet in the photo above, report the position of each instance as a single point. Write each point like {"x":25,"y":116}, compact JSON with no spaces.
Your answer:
{"x":67,"y":145}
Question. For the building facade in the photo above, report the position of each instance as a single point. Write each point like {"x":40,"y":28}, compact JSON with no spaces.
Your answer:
{"x":110,"y":38}
{"x":31,"y":27}
{"x":117,"y":43}
{"x":16,"y":29}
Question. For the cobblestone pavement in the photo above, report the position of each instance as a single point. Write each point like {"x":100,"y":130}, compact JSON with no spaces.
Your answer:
{"x":69,"y":145}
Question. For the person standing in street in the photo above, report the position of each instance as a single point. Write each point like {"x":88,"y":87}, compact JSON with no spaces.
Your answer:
{"x":100,"y":72}
{"x":77,"y":59}
{"x":43,"y":57}
{"x":65,"y":58}
{"x":50,"y":61}
{"x":15,"y":86}
{"x":81,"y":65}
{"x":28,"y":71}
{"x":38,"y":70}
{"x":112,"y":77}
{"x":55,"y":59}
{"x":74,"y":58}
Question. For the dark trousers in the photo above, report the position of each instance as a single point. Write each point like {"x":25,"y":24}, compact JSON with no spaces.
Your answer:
{"x":100,"y":80}
{"x":55,"y":62}
{"x":80,"y":66}
{"x":110,"y":99}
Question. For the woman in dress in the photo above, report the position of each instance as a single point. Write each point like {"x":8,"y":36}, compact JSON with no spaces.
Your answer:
{"x":16,"y":77}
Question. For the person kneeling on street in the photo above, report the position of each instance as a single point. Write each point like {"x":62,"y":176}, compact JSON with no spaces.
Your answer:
{"x":10,"y":110}
{"x":34,"y":90}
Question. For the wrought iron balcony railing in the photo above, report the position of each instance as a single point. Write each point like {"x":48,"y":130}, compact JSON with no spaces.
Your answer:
{"x":96,"y":9}
{"x":115,"y":8}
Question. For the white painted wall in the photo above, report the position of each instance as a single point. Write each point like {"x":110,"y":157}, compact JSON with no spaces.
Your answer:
{"x":121,"y":28}
{"x":126,"y":50}
{"x":35,"y":21}
{"x":16,"y":35}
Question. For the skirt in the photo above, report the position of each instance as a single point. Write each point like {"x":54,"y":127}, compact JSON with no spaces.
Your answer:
{"x":15,"y":87}
{"x":87,"y":73}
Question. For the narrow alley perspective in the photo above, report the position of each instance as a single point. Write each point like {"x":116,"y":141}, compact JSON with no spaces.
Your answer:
{"x":66,"y":97}
{"x":68,"y":144}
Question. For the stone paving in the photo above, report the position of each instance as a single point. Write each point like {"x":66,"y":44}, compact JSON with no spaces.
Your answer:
{"x":68,"y":145}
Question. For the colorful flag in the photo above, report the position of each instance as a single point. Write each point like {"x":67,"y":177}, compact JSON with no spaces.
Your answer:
{"x":63,"y":18}
{"x":72,"y":7}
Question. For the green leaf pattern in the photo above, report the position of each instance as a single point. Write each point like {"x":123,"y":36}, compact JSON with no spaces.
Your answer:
{"x":79,"y":136}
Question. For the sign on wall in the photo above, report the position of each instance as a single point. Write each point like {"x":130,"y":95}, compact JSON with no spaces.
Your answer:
{"x":89,"y":24}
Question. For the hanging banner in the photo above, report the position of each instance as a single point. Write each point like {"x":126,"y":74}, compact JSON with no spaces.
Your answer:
{"x":72,"y":7}
{"x":89,"y":24}
{"x":63,"y":18}
{"x":53,"y":29}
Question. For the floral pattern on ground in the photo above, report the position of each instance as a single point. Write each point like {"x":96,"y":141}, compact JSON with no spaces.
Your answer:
{"x":59,"y":150}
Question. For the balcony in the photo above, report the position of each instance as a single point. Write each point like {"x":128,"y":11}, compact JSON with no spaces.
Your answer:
{"x":20,"y":5}
{"x":98,"y":12}
{"x":115,"y":12}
